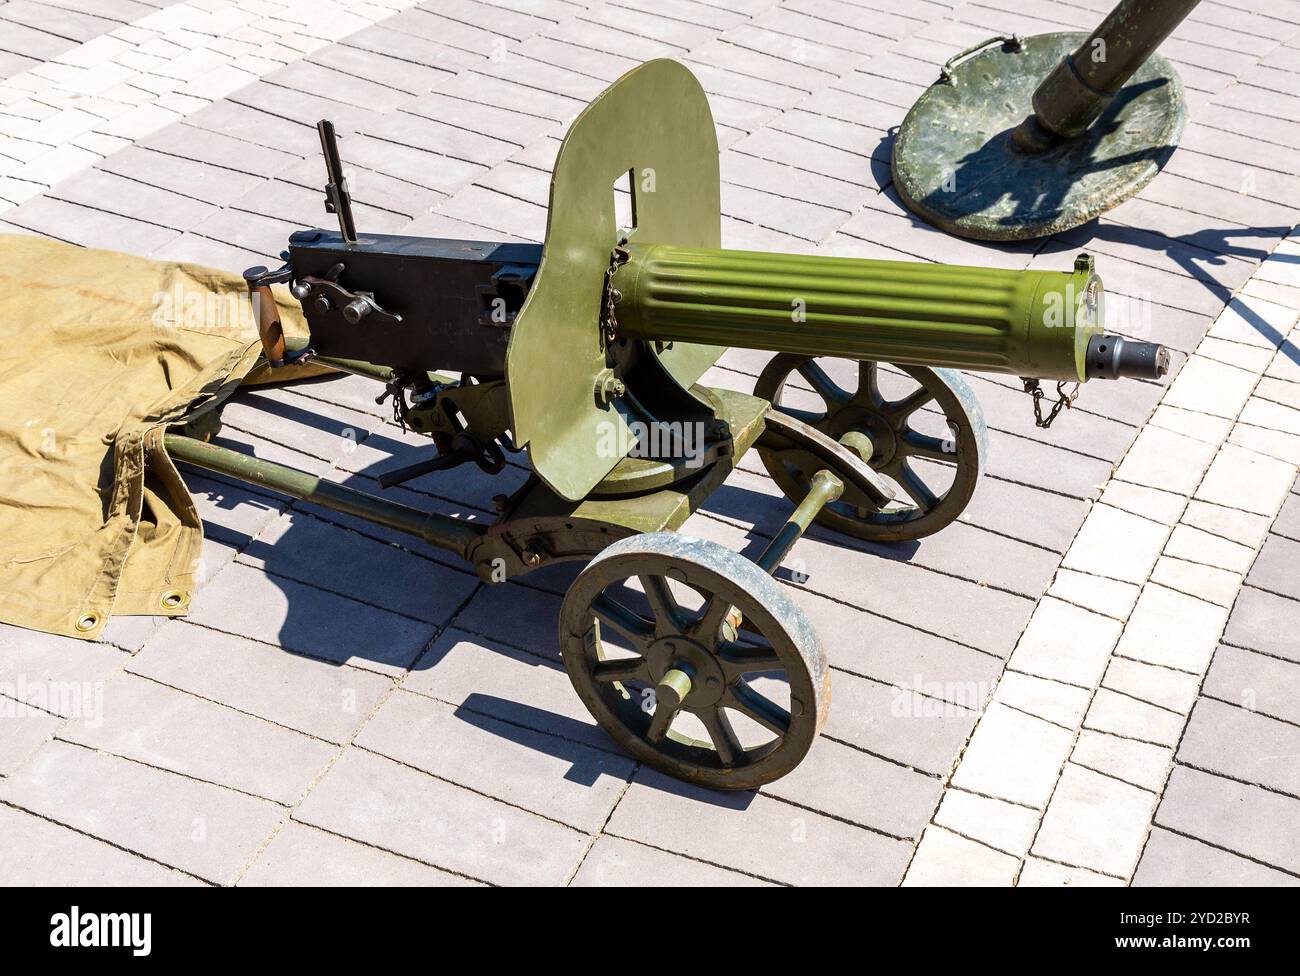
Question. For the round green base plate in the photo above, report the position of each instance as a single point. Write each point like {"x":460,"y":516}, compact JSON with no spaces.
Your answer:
{"x":956,"y":167}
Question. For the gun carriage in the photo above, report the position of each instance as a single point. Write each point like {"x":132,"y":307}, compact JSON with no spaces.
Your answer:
{"x":691,"y":656}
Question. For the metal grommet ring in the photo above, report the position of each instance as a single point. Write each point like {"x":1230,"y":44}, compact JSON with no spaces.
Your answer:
{"x":172,"y":599}
{"x":87,"y":622}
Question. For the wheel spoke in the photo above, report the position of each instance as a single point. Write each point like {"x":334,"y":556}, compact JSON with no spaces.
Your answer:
{"x":662,"y":720}
{"x":868,"y":383}
{"x":705,"y":628}
{"x":738,"y":659}
{"x":909,"y":404}
{"x":723,"y":736}
{"x":760,"y":708}
{"x":613,"y":614}
{"x":822,"y":385}
{"x":620,"y":669}
{"x":668,"y":615}
{"x":916,"y":488}
{"x":928,"y":447}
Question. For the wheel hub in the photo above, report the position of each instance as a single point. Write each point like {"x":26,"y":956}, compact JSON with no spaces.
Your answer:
{"x":855,"y":419}
{"x":678,"y":653}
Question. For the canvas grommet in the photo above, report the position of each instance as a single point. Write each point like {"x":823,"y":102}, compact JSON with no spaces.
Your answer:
{"x":87,"y":621}
{"x":172,"y":599}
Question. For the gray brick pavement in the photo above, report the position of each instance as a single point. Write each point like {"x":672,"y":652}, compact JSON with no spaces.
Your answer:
{"x":449,"y":115}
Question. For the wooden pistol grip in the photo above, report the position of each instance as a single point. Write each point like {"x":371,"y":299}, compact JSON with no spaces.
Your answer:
{"x":268,"y":324}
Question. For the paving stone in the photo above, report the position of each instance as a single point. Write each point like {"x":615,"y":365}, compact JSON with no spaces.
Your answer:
{"x":388,"y":805}
{"x":566,"y":781}
{"x":1264,"y":622}
{"x":307,"y":620}
{"x":1151,"y":503}
{"x":38,"y":852}
{"x":1095,"y":822}
{"x":1256,"y":682}
{"x":1013,"y":756}
{"x":204,"y":830}
{"x":503,"y":682}
{"x":1124,"y":716}
{"x":904,"y":725}
{"x":1239,"y":478}
{"x":25,"y":729}
{"x":1051,"y":701}
{"x":1096,"y":593}
{"x":301,"y":855}
{"x":1201,"y":426}
{"x":323,"y":700}
{"x":1207,"y":582}
{"x":206,"y":182}
{"x":1116,"y":544}
{"x":1171,"y":860}
{"x":884,"y":796}
{"x":1172,"y":629}
{"x":1276,"y":444}
{"x":87,"y":226}
{"x":1233,"y":816}
{"x":60,"y":675}
{"x":1038,"y":873}
{"x":1165,"y":460}
{"x":1162,"y":686}
{"x":1142,"y":764}
{"x":378,"y":574}
{"x":1198,"y":546}
{"x":1065,"y":643}
{"x":616,"y":863}
{"x":169,"y":729}
{"x":1210,"y":387}
{"x":754,"y":833}
{"x":1276,"y":566}
{"x":946,"y":859}
{"x":1242,"y":744}
{"x":1006,"y":826}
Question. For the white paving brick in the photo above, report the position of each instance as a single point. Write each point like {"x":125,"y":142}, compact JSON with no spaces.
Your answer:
{"x":1210,"y":387}
{"x":1006,"y":826}
{"x":1107,"y":596}
{"x":1143,"y":764}
{"x":1240,"y":478}
{"x":1172,"y":629}
{"x":1038,"y":873}
{"x":1013,"y":756}
{"x":1095,"y":822}
{"x":1207,"y":582}
{"x":945,"y":859}
{"x":1116,"y":544}
{"x":1065,"y":643}
{"x":1166,"y":460}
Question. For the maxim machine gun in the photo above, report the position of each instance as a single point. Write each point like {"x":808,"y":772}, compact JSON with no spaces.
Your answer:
{"x":587,"y":352}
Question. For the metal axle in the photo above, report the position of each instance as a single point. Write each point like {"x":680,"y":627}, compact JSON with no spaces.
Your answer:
{"x":452,"y":534}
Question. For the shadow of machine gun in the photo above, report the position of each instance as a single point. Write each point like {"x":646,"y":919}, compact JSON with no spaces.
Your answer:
{"x":584,"y":356}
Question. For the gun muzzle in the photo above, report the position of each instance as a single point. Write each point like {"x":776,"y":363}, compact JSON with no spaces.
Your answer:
{"x":1026,"y":323}
{"x":1112,"y":356}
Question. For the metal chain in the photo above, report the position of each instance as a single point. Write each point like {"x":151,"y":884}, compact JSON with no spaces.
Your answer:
{"x":1064,"y":401}
{"x":618,"y":257}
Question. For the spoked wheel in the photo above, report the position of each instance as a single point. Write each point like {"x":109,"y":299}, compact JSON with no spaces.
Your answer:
{"x":935,"y":458}
{"x":650,"y":640}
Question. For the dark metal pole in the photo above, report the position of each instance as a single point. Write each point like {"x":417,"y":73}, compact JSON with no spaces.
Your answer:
{"x":1074,"y":95}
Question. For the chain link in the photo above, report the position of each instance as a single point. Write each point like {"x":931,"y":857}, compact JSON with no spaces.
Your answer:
{"x":1064,"y":401}
{"x":618,"y":257}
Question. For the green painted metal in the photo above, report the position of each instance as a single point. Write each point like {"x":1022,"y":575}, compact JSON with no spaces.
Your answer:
{"x":958,"y":164}
{"x":654,"y":122}
{"x":1074,"y":95}
{"x":455,"y":535}
{"x":823,"y":488}
{"x":1027,"y":323}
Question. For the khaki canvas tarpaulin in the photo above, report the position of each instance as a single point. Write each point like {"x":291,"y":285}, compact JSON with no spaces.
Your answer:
{"x":99,"y":353}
